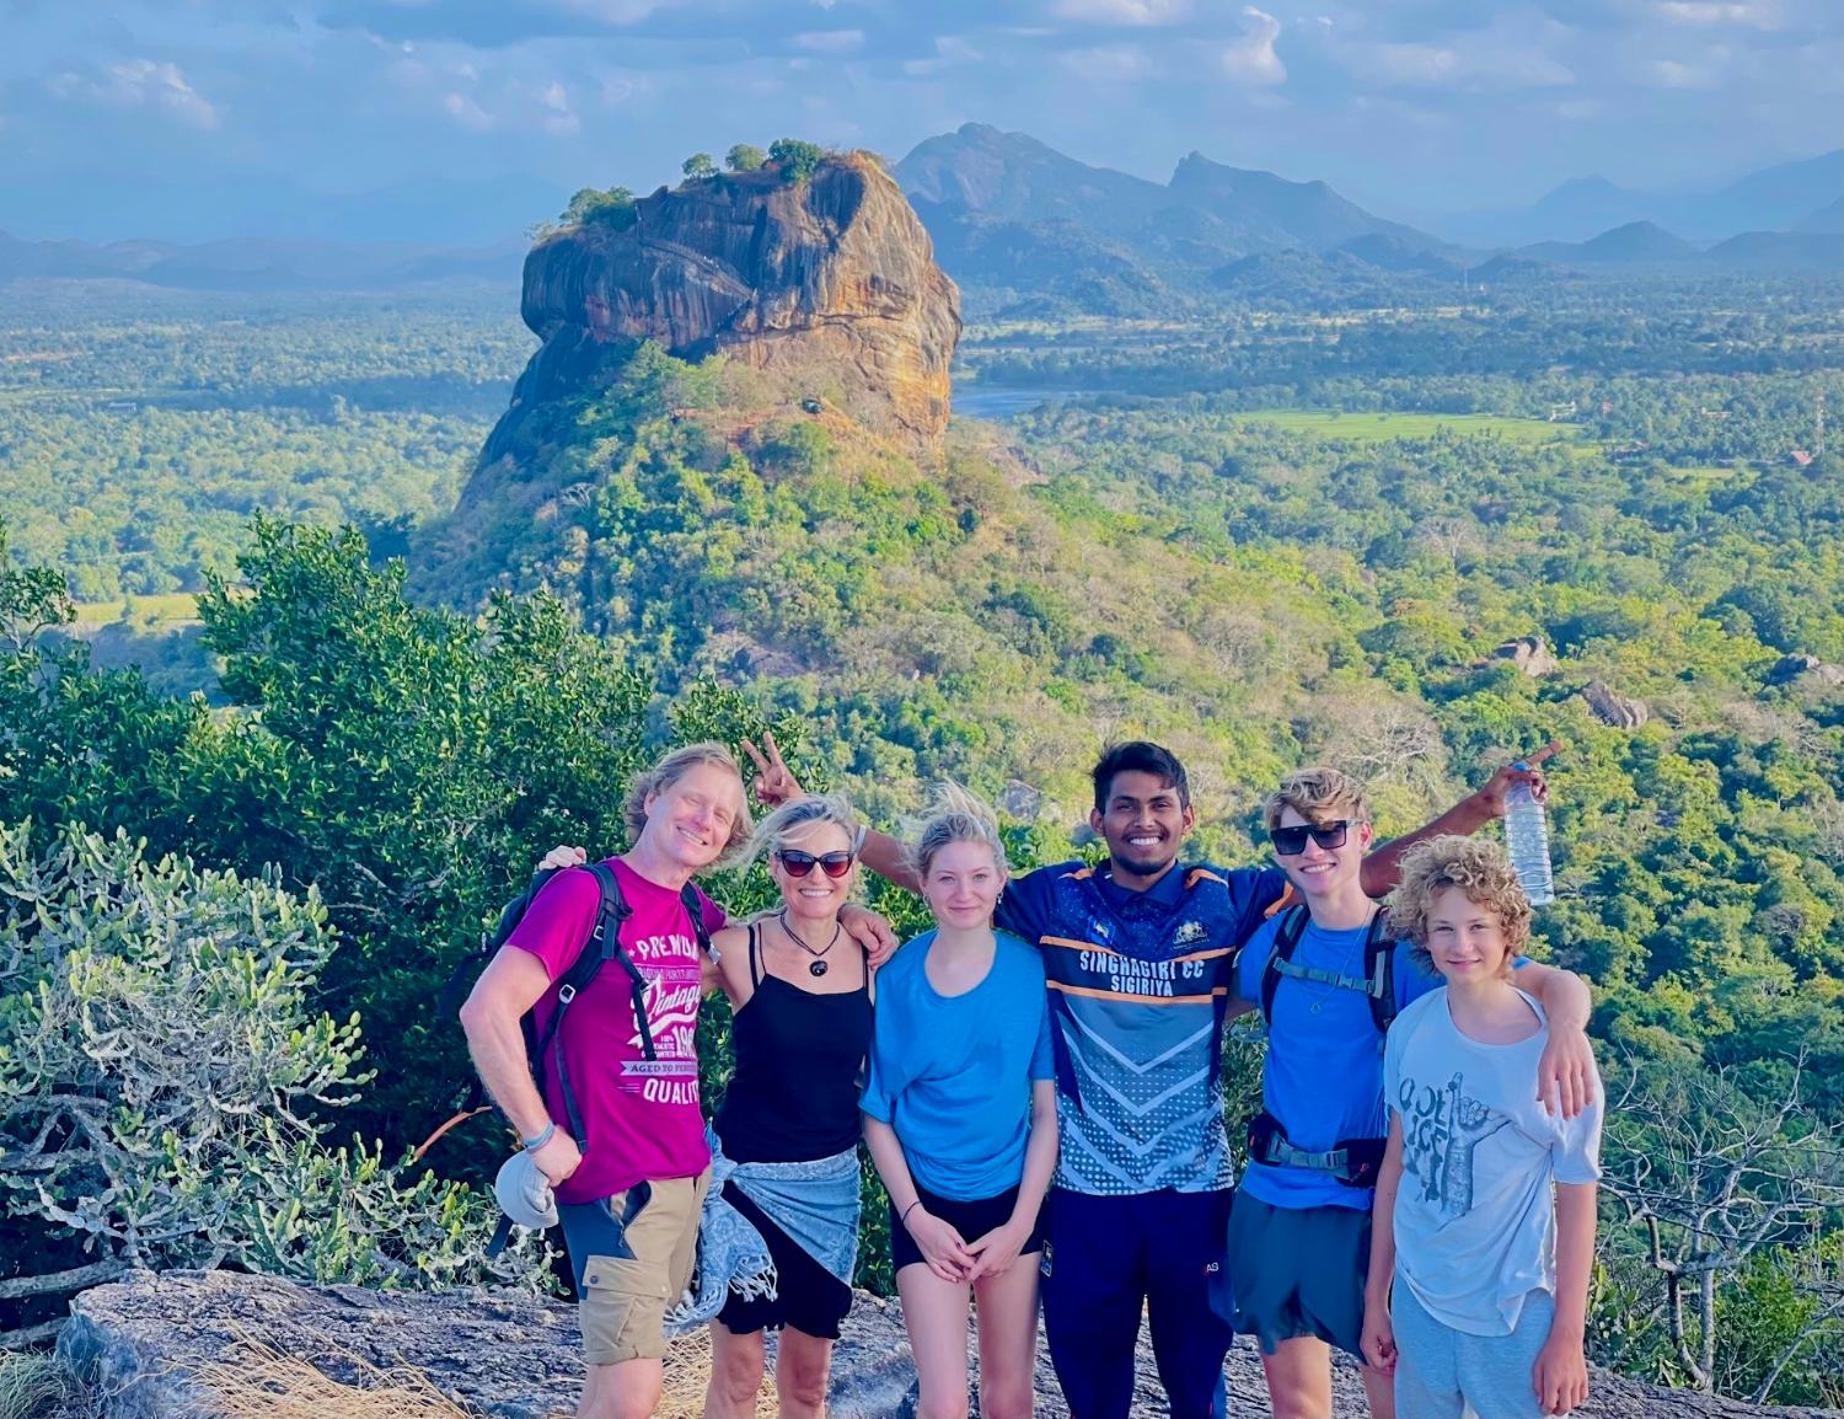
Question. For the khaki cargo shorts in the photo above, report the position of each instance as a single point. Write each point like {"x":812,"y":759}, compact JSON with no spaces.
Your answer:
{"x":633,"y":1255}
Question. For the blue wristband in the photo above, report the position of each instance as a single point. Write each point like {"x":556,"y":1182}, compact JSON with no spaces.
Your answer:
{"x":532,"y":1145}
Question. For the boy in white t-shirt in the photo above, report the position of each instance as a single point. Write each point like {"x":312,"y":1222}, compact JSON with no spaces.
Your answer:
{"x":1484,"y":1214}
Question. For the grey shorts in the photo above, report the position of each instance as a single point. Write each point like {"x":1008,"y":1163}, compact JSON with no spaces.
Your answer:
{"x":1298,"y":1271}
{"x":1443,"y":1373}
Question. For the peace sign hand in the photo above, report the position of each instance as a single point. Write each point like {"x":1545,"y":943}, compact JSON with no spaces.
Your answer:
{"x":775,"y":782}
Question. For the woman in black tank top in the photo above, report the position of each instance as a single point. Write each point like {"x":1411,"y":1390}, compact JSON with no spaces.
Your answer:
{"x":800,"y":990}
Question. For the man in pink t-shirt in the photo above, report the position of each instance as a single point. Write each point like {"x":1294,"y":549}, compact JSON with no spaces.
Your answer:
{"x":630,"y":1190}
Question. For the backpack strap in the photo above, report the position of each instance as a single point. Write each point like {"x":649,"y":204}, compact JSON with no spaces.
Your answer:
{"x":1380,"y":971}
{"x":602,"y":946}
{"x":693,"y":901}
{"x":1280,"y":950}
{"x":1377,"y":984}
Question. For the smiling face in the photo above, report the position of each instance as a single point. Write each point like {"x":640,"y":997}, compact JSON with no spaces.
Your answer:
{"x":1324,"y":872}
{"x":689,"y":820}
{"x":962,"y":885}
{"x":1144,"y":820}
{"x":814,"y":897}
{"x":1466,"y":940}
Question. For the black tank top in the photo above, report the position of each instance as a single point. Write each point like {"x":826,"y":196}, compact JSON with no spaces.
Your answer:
{"x":794,"y":1095}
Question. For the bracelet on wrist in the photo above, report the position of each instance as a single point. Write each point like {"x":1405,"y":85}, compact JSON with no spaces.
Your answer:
{"x":544,"y":1136}
{"x":904,"y":1216}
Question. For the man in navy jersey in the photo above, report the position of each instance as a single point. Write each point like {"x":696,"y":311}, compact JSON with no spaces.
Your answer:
{"x":1139,"y":957}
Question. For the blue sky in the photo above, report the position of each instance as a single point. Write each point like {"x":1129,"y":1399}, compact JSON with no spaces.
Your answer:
{"x":1410,"y":106}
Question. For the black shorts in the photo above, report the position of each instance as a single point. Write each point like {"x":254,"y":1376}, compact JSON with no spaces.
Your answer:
{"x":971,"y":1219}
{"x":807,"y":1298}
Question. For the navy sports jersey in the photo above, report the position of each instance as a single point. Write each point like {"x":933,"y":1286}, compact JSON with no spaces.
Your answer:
{"x":1139,"y":984}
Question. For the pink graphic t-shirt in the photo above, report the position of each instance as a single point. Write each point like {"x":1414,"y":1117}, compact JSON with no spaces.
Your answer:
{"x":641,"y":1117}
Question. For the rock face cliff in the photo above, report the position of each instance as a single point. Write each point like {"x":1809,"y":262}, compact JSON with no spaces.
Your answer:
{"x":149,"y":1345}
{"x":833,"y":275}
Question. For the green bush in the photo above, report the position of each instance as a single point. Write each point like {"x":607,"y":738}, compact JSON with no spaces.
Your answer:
{"x":612,"y":207}
{"x":798,"y":160}
{"x":166,"y":1085}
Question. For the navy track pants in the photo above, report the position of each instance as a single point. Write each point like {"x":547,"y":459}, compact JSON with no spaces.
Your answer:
{"x":1106,"y":1258}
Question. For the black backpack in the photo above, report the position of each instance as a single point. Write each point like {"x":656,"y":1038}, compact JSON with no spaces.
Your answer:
{"x":602,"y":946}
{"x":1378,"y":984}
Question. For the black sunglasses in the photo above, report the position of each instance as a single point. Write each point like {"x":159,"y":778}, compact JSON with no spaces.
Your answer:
{"x":1291,"y":842}
{"x":798,"y":864}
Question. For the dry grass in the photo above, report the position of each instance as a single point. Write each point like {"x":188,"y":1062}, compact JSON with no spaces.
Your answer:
{"x":35,"y":1385}
{"x":256,"y":1381}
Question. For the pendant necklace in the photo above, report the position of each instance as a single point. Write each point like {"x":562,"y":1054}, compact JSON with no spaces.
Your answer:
{"x":817,"y":966}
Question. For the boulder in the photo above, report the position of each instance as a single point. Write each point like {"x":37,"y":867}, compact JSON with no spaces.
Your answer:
{"x":1529,"y":654}
{"x":1805,"y":669}
{"x":1619,"y":711}
{"x":1021,"y":801}
{"x":831,"y":279}
{"x":145,"y":1341}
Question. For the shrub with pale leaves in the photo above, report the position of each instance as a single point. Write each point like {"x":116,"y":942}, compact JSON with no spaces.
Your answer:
{"x":165,"y":1084}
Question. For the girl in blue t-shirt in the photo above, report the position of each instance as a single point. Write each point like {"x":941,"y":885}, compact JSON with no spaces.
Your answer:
{"x":960,"y":1118}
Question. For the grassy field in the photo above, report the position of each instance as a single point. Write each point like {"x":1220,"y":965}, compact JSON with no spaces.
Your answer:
{"x":1380,"y":428}
{"x":172,"y":609}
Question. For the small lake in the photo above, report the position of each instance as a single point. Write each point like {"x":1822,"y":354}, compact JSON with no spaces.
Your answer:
{"x":998,"y":401}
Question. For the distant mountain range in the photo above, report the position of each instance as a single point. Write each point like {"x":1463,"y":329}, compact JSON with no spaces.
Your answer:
{"x":257,"y":263}
{"x":1033,"y":229}
{"x":1011,"y":214}
{"x":1006,"y":210}
{"x":1799,"y":196}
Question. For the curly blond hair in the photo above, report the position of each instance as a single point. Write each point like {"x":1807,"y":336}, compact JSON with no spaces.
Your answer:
{"x":1480,"y":869}
{"x":1317,"y":794}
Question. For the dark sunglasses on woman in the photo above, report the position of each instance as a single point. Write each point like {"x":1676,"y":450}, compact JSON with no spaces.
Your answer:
{"x":1291,"y":842}
{"x":799,"y":864}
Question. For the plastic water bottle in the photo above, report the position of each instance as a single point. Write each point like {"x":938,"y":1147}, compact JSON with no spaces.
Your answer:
{"x":1527,"y":839}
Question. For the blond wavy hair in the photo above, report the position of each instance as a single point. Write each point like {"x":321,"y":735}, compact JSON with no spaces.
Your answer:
{"x":668,"y":771}
{"x":1317,"y":794}
{"x":791,"y":822}
{"x":1480,"y":869}
{"x":953,"y":815}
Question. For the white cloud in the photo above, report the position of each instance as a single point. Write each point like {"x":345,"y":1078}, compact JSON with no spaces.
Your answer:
{"x":469,"y":114}
{"x":1672,"y":74}
{"x":1506,"y":55}
{"x":612,"y":12}
{"x":1108,"y":64}
{"x":1754,"y":14}
{"x":139,"y":83}
{"x":829,"y":41}
{"x":950,"y":50}
{"x":1122,"y":12}
{"x":1251,"y":59}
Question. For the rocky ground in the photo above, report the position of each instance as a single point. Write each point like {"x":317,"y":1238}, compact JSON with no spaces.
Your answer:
{"x":144,"y":1343}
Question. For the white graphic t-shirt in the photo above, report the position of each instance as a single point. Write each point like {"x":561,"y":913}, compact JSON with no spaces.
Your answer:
{"x":1475,"y":1217}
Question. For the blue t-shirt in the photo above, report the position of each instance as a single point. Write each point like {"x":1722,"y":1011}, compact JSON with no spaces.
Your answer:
{"x":1323,"y":1079}
{"x":1139,"y":987}
{"x":952,"y":1074}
